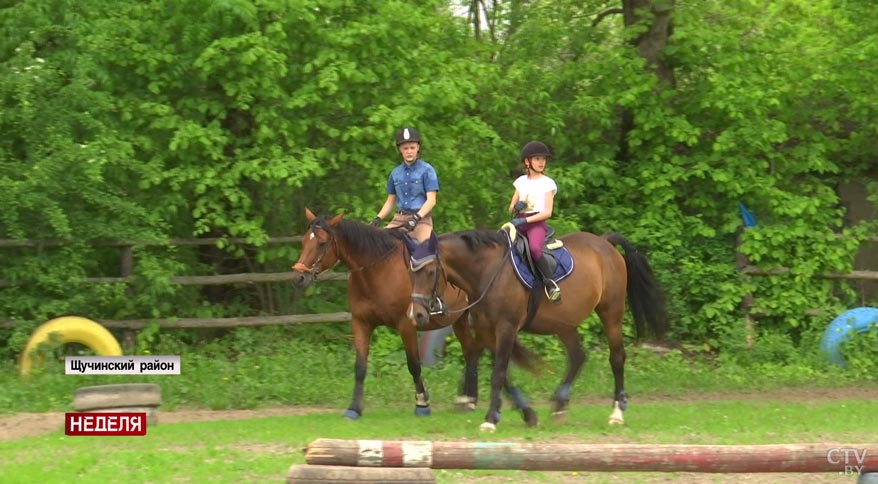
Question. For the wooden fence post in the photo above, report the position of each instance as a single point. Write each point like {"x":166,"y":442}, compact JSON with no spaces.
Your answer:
{"x":742,"y":261}
{"x":126,"y":268}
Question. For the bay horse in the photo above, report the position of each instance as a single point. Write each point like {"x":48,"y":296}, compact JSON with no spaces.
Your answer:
{"x":479,"y":263}
{"x":378,"y":295}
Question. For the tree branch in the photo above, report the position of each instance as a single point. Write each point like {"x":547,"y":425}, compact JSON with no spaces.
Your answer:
{"x":605,"y":13}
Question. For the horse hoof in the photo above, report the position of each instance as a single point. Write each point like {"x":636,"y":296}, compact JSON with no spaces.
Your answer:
{"x":616,"y":421}
{"x":530,"y":417}
{"x":465,"y":404}
{"x":422,"y":411}
{"x":351,"y":414}
{"x":559,"y":417}
{"x":488,"y":427}
{"x":466,"y":407}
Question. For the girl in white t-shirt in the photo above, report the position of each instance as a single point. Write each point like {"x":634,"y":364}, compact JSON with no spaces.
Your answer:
{"x":531,"y":206}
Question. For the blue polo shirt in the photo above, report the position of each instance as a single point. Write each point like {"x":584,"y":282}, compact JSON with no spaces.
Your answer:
{"x":410,"y":184}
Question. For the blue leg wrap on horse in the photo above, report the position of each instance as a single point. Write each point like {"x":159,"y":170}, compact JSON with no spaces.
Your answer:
{"x":623,"y":401}
{"x":351,"y":414}
{"x":563,"y":393}
{"x":422,"y":411}
{"x":517,"y":397}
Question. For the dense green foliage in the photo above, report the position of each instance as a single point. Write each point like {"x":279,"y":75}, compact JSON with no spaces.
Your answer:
{"x":146,"y":121}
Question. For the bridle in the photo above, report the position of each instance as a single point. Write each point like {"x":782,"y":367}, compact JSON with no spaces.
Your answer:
{"x":314,"y":270}
{"x":433,"y":303}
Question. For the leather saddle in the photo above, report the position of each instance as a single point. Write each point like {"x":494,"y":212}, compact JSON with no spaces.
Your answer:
{"x":519,"y":244}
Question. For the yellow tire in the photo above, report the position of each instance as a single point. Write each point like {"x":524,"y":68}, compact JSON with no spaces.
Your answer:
{"x":69,"y":329}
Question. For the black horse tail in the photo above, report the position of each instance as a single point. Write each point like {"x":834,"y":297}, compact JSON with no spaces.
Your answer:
{"x":524,"y":358}
{"x":644,"y":294}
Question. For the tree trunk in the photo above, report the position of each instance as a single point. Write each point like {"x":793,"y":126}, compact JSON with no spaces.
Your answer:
{"x":655,"y":16}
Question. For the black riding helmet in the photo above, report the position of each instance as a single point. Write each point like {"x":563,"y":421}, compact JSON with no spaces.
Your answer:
{"x":535,"y":148}
{"x":408,"y":134}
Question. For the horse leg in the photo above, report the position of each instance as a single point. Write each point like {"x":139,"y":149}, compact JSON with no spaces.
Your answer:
{"x":409,"y":336}
{"x":521,"y":402}
{"x":505,"y":338}
{"x":576,"y":357}
{"x":362,"y":333}
{"x":613,"y":329}
{"x":472,"y":351}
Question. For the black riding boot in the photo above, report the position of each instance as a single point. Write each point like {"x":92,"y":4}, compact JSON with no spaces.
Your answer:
{"x":553,"y":292}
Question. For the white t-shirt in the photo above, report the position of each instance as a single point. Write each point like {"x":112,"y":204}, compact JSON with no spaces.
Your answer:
{"x":533,"y":191}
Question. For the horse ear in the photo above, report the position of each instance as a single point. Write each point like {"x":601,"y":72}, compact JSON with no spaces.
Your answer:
{"x":309,"y":214}
{"x":410,"y":243}
{"x":432,"y":243}
{"x":335,"y":220}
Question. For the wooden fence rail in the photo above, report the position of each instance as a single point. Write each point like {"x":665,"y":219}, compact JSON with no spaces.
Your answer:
{"x":127,"y":264}
{"x":853,"y":275}
{"x":15,"y":243}
{"x":213,"y":323}
{"x":244,"y":277}
{"x":126,"y":277}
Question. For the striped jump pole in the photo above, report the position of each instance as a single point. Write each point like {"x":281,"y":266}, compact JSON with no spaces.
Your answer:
{"x":846,"y":459}
{"x":307,"y":474}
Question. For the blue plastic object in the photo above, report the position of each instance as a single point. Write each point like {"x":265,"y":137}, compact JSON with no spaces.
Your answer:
{"x":748,"y":218}
{"x":844,"y":327}
{"x":868,"y":478}
{"x":432,"y":343}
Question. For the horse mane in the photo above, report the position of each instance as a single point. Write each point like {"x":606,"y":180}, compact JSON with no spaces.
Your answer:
{"x":363,"y":238}
{"x":476,"y":240}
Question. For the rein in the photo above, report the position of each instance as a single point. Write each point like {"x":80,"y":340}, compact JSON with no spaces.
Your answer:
{"x":484,"y":293}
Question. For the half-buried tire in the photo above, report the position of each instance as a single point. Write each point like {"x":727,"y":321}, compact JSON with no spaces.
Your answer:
{"x":152,"y":413}
{"x":125,"y":397}
{"x":115,"y":396}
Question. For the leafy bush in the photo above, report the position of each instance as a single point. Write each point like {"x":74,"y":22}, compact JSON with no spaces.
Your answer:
{"x":861,"y":353}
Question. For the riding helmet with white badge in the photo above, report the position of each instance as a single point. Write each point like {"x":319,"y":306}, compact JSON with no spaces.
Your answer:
{"x":406,"y":135}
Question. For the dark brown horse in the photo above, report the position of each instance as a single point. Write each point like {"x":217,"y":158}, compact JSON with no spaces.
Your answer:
{"x":478,"y":262}
{"x":379,"y":291}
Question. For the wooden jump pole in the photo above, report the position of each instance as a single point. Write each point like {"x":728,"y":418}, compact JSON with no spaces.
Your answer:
{"x":306,"y":474}
{"x":849,"y":459}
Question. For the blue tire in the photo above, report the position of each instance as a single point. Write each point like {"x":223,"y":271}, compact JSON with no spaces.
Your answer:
{"x":843,"y":328}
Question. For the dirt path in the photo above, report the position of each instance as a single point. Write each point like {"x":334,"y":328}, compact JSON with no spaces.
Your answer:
{"x":21,"y":425}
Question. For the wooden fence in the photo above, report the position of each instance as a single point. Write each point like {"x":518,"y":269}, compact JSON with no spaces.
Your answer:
{"x":747,"y":270}
{"x":126,"y":266}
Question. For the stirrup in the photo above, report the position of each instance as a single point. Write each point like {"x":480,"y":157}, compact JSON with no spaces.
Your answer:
{"x":553,"y":293}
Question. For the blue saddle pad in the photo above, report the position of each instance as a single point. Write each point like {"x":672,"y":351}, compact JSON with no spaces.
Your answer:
{"x":562,"y":269}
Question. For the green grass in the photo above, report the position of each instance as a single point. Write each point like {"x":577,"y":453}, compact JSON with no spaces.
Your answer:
{"x":273,"y":367}
{"x":311,"y":373}
{"x":262,"y":450}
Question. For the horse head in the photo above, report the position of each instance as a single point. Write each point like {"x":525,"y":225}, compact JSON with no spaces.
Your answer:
{"x":319,"y":249}
{"x":428,"y":280}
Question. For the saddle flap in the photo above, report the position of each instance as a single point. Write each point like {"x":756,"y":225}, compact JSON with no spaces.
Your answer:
{"x":551,"y":242}
{"x":520,"y":245}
